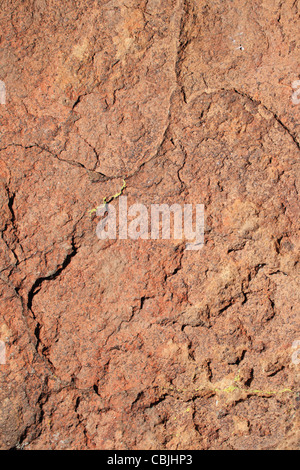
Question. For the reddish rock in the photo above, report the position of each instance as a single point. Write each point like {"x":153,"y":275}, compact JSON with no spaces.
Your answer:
{"x":141,"y":344}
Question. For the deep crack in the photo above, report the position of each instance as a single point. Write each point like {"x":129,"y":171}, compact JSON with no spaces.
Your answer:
{"x":36,"y":287}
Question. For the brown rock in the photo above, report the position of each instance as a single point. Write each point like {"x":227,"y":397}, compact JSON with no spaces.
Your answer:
{"x":141,"y":344}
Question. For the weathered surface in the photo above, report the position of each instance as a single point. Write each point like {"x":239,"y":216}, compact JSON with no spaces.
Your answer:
{"x":142,"y":344}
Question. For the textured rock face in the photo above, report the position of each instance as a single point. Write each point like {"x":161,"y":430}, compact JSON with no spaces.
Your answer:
{"x":141,"y":344}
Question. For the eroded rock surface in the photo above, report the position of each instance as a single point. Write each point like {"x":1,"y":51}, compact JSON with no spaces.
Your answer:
{"x":142,"y":344}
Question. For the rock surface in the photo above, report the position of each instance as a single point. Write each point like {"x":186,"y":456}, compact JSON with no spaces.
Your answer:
{"x":141,"y":344}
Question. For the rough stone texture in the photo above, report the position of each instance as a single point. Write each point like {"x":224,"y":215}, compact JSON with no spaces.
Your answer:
{"x":125,"y":344}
